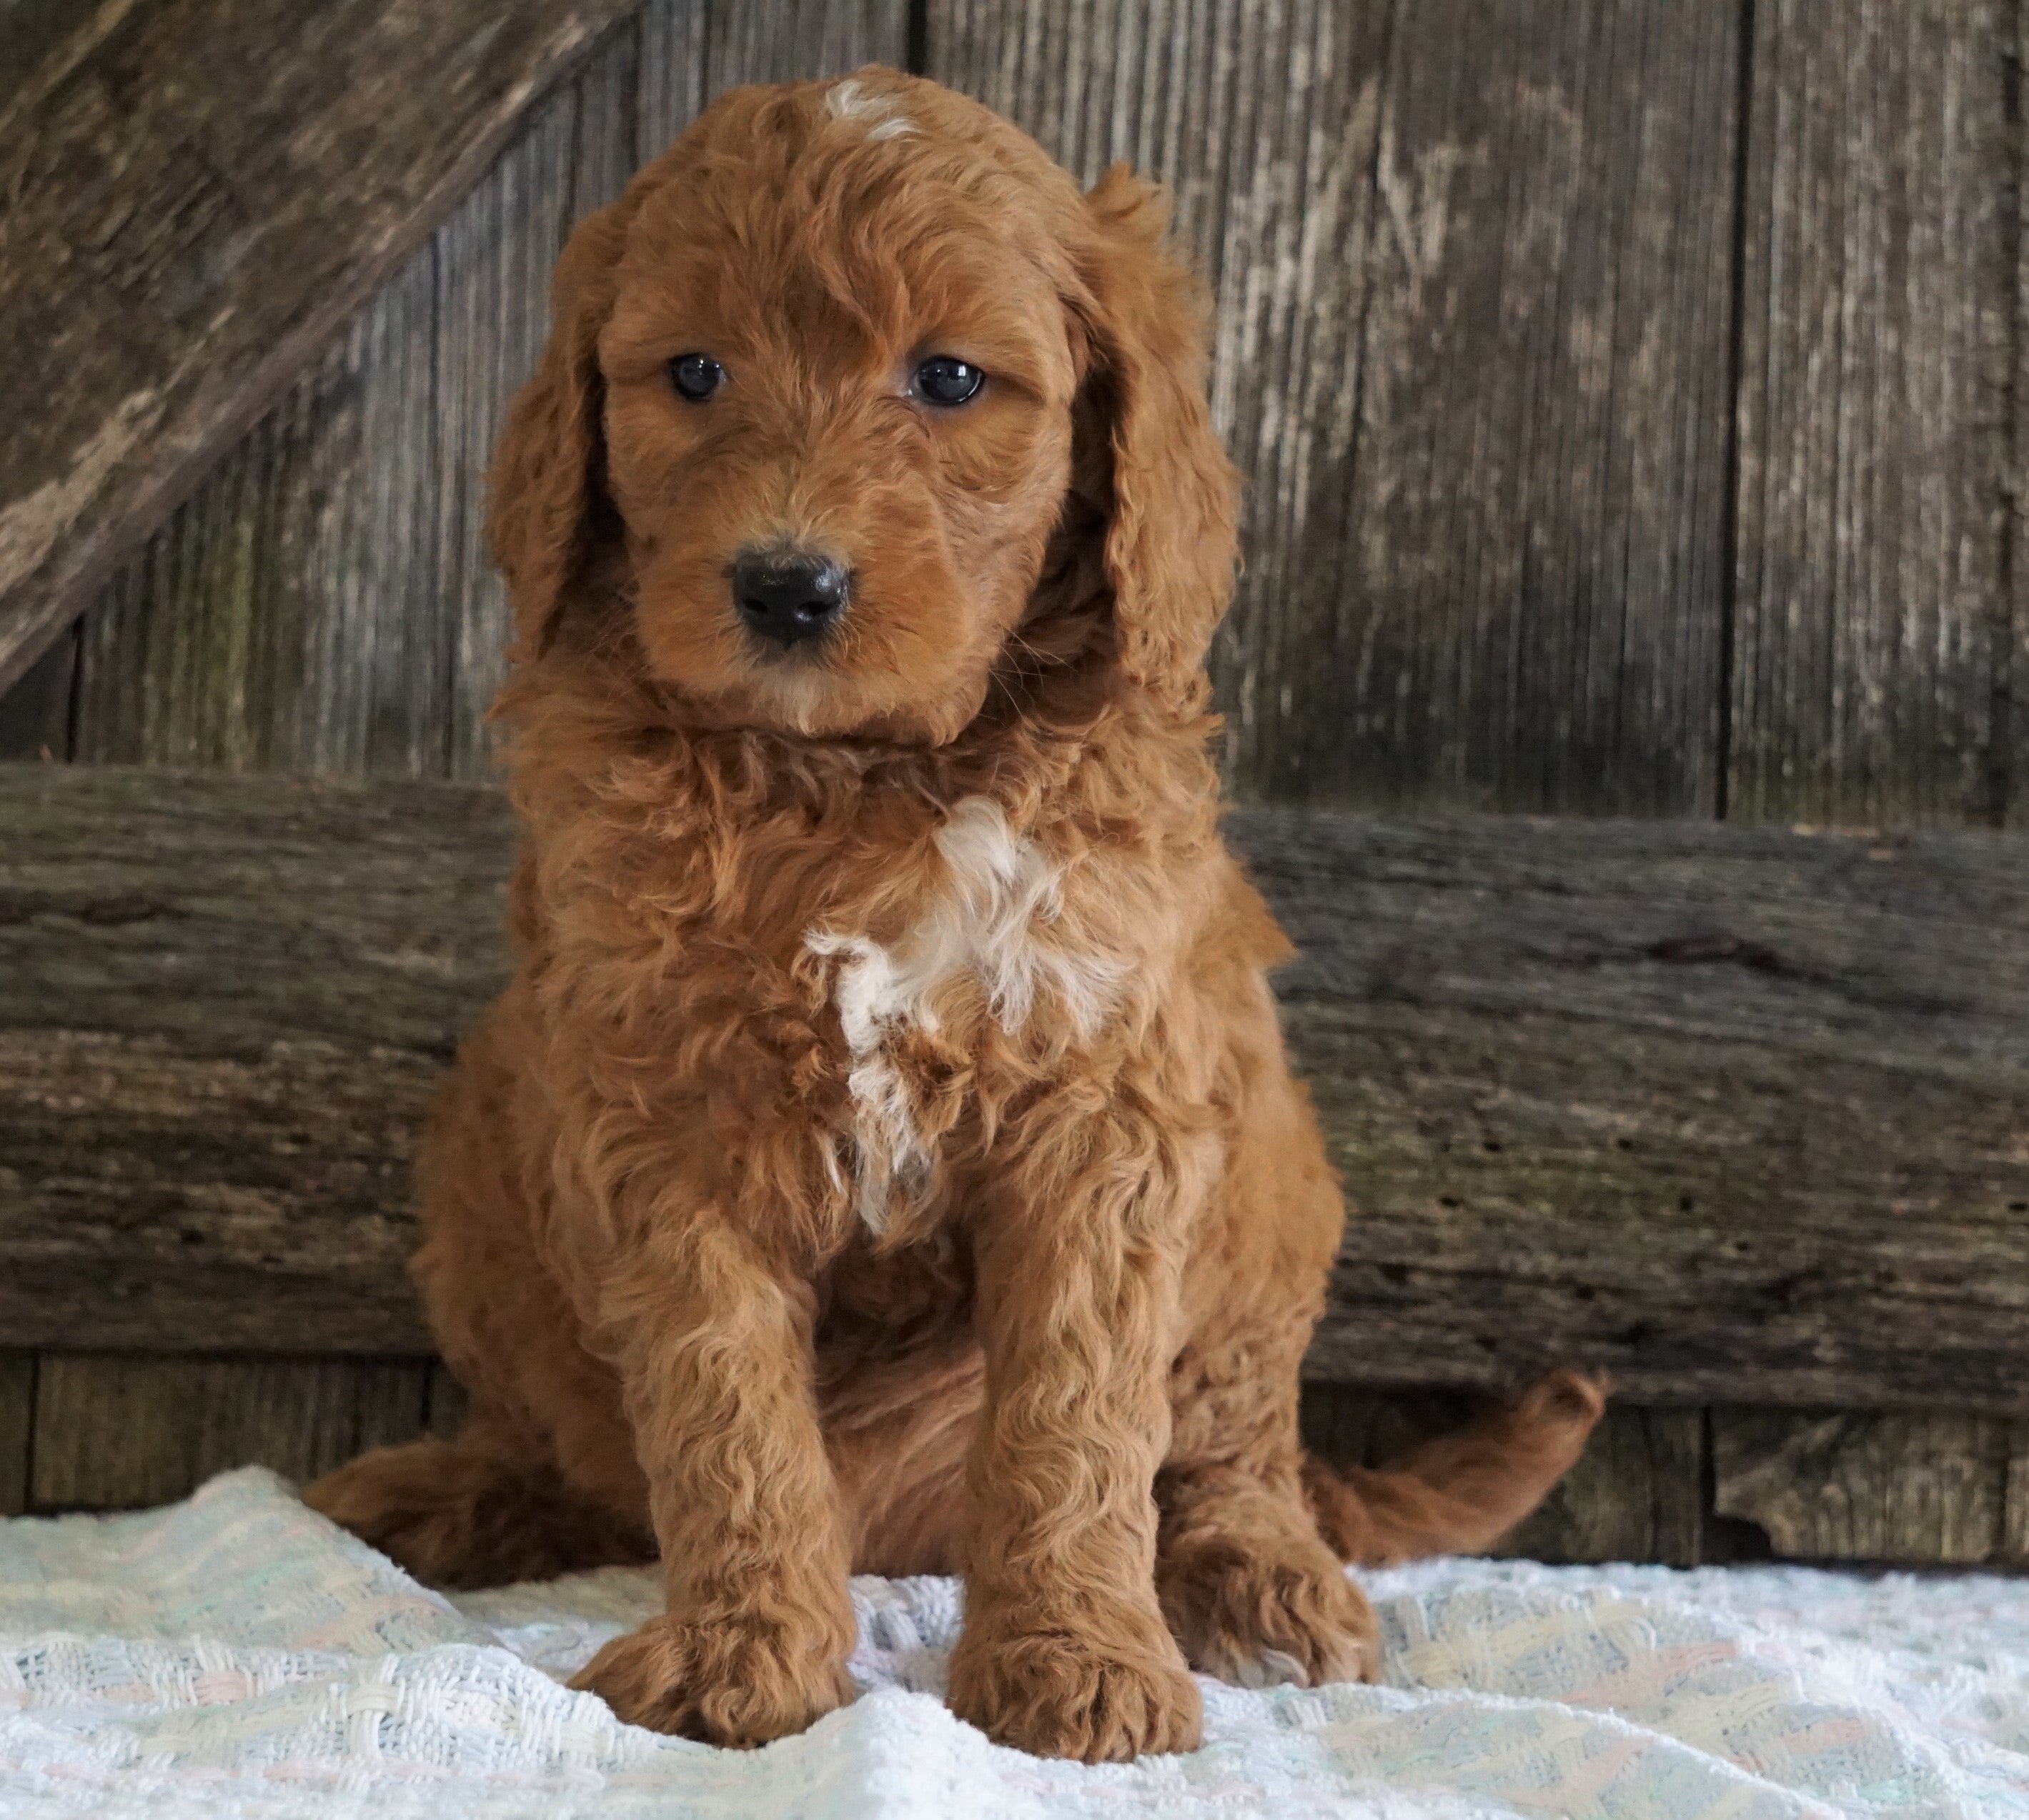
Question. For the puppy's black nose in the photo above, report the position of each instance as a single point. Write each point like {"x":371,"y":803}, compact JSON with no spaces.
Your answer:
{"x":787,"y":595}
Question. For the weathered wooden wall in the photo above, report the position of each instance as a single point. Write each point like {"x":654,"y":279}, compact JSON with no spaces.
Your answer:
{"x":1631,"y":397}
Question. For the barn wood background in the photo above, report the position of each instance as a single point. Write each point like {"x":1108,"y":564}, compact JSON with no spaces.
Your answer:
{"x":1631,"y":398}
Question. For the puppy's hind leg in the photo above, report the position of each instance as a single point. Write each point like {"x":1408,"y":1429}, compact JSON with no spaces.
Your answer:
{"x":1250,"y":1589}
{"x":473,"y":1512}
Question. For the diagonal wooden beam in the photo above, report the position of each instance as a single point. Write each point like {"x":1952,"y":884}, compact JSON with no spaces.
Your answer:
{"x":193,"y":195}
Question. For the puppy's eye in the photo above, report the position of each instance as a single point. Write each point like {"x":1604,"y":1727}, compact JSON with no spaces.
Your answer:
{"x":944,"y":379}
{"x":696,"y":375}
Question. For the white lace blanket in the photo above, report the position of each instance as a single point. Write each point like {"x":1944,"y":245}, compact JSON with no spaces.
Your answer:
{"x":236,"y":1655}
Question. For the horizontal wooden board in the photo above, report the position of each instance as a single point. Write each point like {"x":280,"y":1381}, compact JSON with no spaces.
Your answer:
{"x":1736,"y":1114}
{"x":222,"y":1010}
{"x":198,"y":194}
{"x":1672,"y":1098}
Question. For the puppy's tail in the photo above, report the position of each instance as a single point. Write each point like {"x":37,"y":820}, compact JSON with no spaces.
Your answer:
{"x":1462,"y":1492}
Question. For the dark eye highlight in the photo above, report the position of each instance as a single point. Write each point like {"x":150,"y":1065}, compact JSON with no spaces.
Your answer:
{"x":696,"y":376}
{"x":945,"y":379}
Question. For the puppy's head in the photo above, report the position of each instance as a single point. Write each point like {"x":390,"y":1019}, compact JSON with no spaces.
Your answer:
{"x":853,"y":399}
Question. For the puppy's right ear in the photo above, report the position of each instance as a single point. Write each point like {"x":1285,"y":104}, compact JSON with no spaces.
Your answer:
{"x":546,"y":478}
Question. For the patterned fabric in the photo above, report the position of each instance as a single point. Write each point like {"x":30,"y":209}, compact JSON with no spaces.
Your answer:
{"x":236,"y":1655}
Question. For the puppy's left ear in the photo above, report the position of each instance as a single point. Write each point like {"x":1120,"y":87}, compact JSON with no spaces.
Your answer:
{"x":1169,"y":548}
{"x":546,"y":484}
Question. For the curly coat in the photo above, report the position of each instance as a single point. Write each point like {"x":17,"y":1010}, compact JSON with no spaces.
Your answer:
{"x":885,"y":1158}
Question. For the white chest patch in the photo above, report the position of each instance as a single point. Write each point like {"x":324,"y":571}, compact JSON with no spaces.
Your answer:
{"x":987,"y":921}
{"x":854,"y":101}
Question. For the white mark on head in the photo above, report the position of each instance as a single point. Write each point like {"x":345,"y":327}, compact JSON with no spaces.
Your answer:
{"x":851,"y":100}
{"x":984,"y":922}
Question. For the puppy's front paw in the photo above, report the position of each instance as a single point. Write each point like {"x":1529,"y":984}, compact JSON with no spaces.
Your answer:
{"x":1063,"y":1693}
{"x":734,"y":1683}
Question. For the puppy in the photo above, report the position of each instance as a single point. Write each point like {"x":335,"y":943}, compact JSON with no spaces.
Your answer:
{"x":885,"y":1158}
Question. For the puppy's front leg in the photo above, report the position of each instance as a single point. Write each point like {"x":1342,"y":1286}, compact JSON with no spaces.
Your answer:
{"x":714,"y":1350}
{"x":1065,"y":1651}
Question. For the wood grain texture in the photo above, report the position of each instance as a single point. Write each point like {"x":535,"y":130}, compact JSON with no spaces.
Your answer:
{"x":34,"y":714}
{"x":1866,"y":1487}
{"x":1471,"y":356}
{"x":449,"y":1402}
{"x":1528,"y":614}
{"x":495,"y":256}
{"x":791,"y":40}
{"x":1734,"y":1113}
{"x":1876,"y":408}
{"x":286,"y":618}
{"x":198,"y":193}
{"x":1471,"y":281}
{"x":18,"y":1408}
{"x":114,"y":1431}
{"x":211,"y":1101}
{"x":1635,"y":1089}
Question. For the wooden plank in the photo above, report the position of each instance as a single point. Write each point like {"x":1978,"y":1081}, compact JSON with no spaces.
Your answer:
{"x":199,"y":193}
{"x":2015,"y":1513}
{"x":1679,"y":1099}
{"x":208,"y":1114}
{"x":34,"y":714}
{"x":449,"y":1402}
{"x":791,"y":40}
{"x":1734,"y":1112}
{"x":1368,"y":1424}
{"x":496,"y":257}
{"x":1853,"y":1486}
{"x":1263,"y":122}
{"x":287,"y":617}
{"x":28,"y":33}
{"x":114,"y":1430}
{"x":18,"y":1405}
{"x":1875,"y":505}
{"x":669,"y":85}
{"x":384,"y":624}
{"x":1528,"y":611}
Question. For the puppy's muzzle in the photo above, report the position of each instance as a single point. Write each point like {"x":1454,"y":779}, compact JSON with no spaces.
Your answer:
{"x":786,"y":596}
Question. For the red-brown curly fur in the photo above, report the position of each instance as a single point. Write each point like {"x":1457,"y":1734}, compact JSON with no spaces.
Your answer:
{"x":886,"y":1158}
